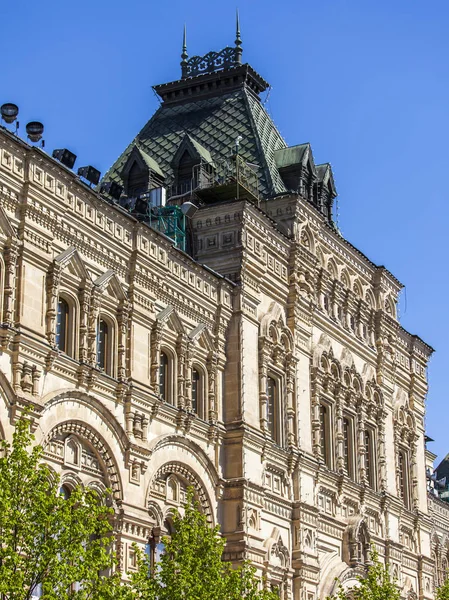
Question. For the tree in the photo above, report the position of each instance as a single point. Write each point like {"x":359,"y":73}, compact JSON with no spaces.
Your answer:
{"x":191,"y":566}
{"x":60,"y":545}
{"x":376,"y":585}
{"x":442,"y":593}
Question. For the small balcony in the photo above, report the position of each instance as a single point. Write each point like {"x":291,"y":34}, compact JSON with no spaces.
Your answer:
{"x":228,"y":179}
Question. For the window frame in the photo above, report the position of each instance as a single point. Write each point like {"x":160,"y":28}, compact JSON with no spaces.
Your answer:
{"x":201,"y":401}
{"x":326,"y":441}
{"x":170,"y":383}
{"x":349,"y":446}
{"x":371,"y":464}
{"x":110,"y":354}
{"x":404,"y":482}
{"x":71,"y":345}
{"x":277,"y":433}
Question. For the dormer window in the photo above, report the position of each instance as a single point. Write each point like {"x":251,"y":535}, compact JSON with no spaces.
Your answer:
{"x":193,"y":166}
{"x":138,"y":180}
{"x":141,"y":173}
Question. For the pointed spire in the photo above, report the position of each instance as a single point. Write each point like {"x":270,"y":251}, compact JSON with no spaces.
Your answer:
{"x":238,"y":41}
{"x":184,"y":54}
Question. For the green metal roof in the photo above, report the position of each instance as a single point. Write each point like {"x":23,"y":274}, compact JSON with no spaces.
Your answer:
{"x":150,"y":162}
{"x":213,"y":125}
{"x":294,"y":155}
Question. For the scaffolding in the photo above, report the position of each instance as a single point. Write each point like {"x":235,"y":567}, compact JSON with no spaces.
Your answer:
{"x":171,"y":221}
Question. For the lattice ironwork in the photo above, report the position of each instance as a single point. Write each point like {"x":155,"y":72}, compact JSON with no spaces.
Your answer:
{"x":211,"y":62}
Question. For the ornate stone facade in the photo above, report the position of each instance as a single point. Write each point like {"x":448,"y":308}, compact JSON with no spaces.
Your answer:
{"x":267,"y":369}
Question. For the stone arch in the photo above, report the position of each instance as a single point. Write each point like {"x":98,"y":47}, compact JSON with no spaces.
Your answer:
{"x":358,"y":288}
{"x":275,"y":313}
{"x":346,"y":359}
{"x":86,"y":432}
{"x":390,"y":306}
{"x":8,"y":398}
{"x":277,"y":550}
{"x":307,"y":239}
{"x":71,"y":480}
{"x":320,"y":257}
{"x":332,"y":268}
{"x":370,"y":299}
{"x":175,"y":468}
{"x":324,"y":346}
{"x":333,"y":571}
{"x":345,"y":278}
{"x":173,"y":454}
{"x":86,"y":417}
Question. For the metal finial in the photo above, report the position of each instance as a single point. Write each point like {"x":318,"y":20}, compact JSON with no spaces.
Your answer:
{"x":184,"y":54}
{"x":238,"y":41}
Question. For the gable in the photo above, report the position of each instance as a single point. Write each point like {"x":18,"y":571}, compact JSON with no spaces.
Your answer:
{"x":110,"y":284}
{"x":6,"y":228}
{"x":71,"y":260}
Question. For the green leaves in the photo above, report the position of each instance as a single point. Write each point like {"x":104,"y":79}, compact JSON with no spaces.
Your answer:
{"x":59,"y":544}
{"x":376,"y":585}
{"x":64,"y":546}
{"x":191,"y":567}
{"x":442,"y":593}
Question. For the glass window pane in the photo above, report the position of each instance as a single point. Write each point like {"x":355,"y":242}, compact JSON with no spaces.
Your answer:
{"x":62,"y":325}
{"x":272,"y":407}
{"x":196,"y":391}
{"x":163,"y":375}
{"x":102,"y":345}
{"x":324,"y":437}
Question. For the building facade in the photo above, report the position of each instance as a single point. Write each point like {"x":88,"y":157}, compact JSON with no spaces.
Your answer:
{"x":246,"y":349}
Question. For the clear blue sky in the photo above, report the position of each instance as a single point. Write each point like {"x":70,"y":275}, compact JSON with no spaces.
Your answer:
{"x":366,"y":82}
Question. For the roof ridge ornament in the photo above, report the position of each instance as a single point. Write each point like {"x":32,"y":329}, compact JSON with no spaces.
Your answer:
{"x":212,"y":61}
{"x":238,"y":41}
{"x":184,"y":55}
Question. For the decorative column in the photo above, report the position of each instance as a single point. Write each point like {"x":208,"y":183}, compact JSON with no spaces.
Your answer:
{"x":122,"y":317}
{"x":184,"y":373}
{"x":212,"y":364}
{"x":291,"y":430}
{"x":316,"y":393}
{"x":84,"y":299}
{"x":52,"y":287}
{"x":361,"y":442}
{"x":94,"y":311}
{"x":156,"y":338}
{"x":382,"y":415}
{"x":10,"y":254}
{"x":413,"y":470}
{"x":263,"y":377}
{"x":340,"y":438}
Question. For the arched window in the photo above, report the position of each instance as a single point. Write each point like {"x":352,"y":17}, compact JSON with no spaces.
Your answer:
{"x":197,"y":393}
{"x":63,"y":326}
{"x":273,"y":410}
{"x":163,"y":376}
{"x":404,"y":478}
{"x":369,"y":458}
{"x":325,"y":433}
{"x":348,"y":446}
{"x":104,"y":346}
{"x":65,"y":492}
